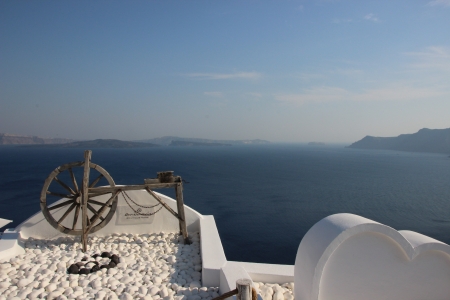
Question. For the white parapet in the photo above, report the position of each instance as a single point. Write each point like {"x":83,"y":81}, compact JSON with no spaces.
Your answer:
{"x":217,"y":271}
{"x":213,"y":255}
{"x":269,"y":273}
{"x":348,"y":257}
{"x":229,"y":274}
{"x":10,"y":245}
{"x":4,"y":222}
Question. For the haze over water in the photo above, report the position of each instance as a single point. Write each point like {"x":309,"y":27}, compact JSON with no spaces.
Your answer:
{"x":264,"y":198}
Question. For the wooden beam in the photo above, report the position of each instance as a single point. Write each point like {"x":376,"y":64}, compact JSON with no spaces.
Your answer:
{"x":163,"y":203}
{"x":84,"y":198}
{"x":180,"y":208}
{"x":244,"y":287}
{"x":107,"y":189}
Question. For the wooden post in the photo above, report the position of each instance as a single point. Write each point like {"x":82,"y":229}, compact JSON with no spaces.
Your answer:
{"x":244,"y":288}
{"x":84,"y":199}
{"x":180,"y":208}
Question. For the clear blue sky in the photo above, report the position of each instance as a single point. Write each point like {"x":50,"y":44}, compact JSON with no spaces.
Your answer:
{"x":285,"y":71}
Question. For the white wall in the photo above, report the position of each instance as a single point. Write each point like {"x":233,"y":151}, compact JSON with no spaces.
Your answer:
{"x":213,"y":255}
{"x":270,"y":273}
{"x":10,"y":245}
{"x":38,"y":227}
{"x":346,"y":257}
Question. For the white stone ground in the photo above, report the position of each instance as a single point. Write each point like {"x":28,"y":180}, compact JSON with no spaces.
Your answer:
{"x":274,"y":291}
{"x":153,"y":266}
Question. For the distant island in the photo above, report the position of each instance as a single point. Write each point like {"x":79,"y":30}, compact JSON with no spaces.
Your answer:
{"x":99,"y":143}
{"x":425,"y":140}
{"x":14,"y":139}
{"x":167,"y":140}
{"x":190,"y":144}
{"x":25,"y":140}
{"x":316,"y":144}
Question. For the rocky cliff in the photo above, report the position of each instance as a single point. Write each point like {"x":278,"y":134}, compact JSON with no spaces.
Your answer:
{"x":425,"y":140}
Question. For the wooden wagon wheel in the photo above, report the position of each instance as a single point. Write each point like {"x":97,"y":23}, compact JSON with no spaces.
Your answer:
{"x":66,"y":214}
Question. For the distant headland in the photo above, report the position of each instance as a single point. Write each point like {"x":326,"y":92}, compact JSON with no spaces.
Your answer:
{"x":35,"y":141}
{"x":15,"y":139}
{"x":99,"y":143}
{"x":425,"y":140}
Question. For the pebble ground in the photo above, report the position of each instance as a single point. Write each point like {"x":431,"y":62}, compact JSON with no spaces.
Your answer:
{"x":152,"y":267}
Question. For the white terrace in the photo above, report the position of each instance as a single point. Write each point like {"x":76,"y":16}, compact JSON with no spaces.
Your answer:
{"x":343,"y":256}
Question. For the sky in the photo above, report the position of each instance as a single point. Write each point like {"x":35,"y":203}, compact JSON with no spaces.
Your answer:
{"x":283,"y":71}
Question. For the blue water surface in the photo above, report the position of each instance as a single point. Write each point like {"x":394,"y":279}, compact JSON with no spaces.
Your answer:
{"x":264,"y":198}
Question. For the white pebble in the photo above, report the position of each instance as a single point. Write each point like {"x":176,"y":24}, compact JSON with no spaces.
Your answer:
{"x":288,"y":296}
{"x":153,"y":290}
{"x":164,"y":292}
{"x":100,"y":295}
{"x":278,"y":296}
{"x":5,"y":266}
{"x":126,"y":296}
{"x":143,"y":290}
{"x":112,"y":271}
{"x":96,"y":284}
{"x":126,"y":279}
{"x":194,"y":284}
{"x":54,"y":294}
{"x":157,"y":280}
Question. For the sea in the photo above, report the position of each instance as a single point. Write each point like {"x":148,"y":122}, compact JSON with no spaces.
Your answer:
{"x":264,"y":198}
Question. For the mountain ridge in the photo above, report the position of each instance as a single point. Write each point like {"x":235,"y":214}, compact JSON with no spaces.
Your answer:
{"x":15,"y":139}
{"x":425,"y":140}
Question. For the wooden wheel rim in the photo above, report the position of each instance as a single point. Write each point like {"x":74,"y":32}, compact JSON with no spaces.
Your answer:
{"x":48,"y":215}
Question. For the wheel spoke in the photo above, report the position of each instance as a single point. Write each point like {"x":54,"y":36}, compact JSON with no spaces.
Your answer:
{"x":109,"y":202}
{"x":60,"y":205}
{"x":65,"y":186}
{"x":74,"y":181}
{"x":93,"y":183}
{"x":67,"y":213}
{"x":98,"y":203}
{"x":81,"y":202}
{"x":75,"y":218}
{"x":95,"y":212}
{"x":60,"y":195}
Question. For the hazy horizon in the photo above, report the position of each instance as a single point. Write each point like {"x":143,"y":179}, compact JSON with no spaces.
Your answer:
{"x":282,"y":71}
{"x":194,"y":137}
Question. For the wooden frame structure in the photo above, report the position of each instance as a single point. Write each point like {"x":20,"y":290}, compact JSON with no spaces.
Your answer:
{"x":81,"y":198}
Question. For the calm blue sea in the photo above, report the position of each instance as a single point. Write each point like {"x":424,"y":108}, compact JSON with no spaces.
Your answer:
{"x":264,"y":198}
